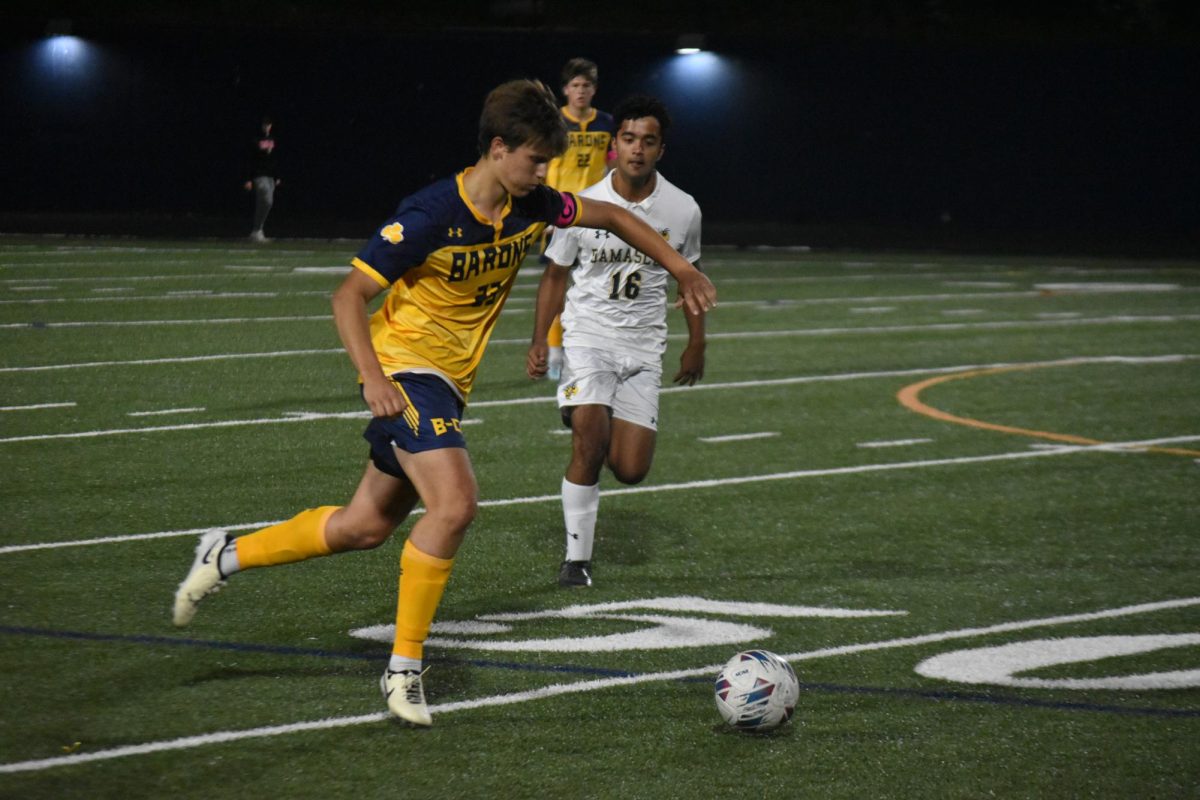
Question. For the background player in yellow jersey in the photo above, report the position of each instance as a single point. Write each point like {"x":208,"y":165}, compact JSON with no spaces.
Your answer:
{"x":447,"y":260}
{"x":587,"y":158}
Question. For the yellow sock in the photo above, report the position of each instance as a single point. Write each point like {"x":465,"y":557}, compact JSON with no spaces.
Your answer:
{"x":301,"y":537}
{"x":422,"y":580}
{"x":555,"y":334}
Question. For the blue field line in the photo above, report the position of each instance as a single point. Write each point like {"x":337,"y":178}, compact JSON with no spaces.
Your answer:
{"x":1003,"y":700}
{"x":827,"y":688}
{"x":981,"y":697}
{"x":248,"y":647}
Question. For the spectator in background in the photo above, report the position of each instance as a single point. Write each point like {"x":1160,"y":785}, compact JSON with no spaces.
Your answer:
{"x":263,"y":179}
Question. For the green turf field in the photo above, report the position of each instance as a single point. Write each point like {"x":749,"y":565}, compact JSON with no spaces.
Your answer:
{"x":960,"y":494}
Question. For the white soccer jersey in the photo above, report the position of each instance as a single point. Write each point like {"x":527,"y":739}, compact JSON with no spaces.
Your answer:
{"x":618,"y":296}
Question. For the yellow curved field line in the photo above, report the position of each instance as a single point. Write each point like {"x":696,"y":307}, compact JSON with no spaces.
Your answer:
{"x":909,"y":397}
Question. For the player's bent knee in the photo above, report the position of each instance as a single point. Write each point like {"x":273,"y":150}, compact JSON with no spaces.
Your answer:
{"x":454,"y":516}
{"x":630,"y":477}
{"x":367,"y":535}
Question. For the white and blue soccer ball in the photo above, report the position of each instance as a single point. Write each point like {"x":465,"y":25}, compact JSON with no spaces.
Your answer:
{"x":756,"y":690}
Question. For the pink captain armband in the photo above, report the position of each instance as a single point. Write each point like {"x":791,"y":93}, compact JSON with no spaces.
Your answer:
{"x":570,"y":211}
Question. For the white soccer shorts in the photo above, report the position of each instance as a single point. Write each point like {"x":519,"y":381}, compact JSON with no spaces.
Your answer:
{"x":627,"y":384}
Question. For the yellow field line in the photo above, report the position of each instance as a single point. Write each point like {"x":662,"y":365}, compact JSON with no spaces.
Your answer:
{"x":909,"y":397}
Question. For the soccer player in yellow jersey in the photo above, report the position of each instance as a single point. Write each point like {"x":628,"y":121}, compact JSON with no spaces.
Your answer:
{"x":589,"y":131}
{"x":447,"y":260}
{"x":587,"y":158}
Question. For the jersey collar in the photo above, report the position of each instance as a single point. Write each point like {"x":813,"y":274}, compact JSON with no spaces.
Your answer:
{"x":645,"y":204}
{"x":479,"y":215}
{"x":582,"y":123}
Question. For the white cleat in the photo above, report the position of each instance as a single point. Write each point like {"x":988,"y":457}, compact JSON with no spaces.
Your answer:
{"x":203,"y":579}
{"x":406,"y":696}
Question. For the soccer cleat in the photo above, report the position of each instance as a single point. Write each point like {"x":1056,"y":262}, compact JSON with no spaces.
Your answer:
{"x":554,"y":363}
{"x":203,"y":579}
{"x":405,"y":695}
{"x":575,"y":574}
{"x":259,"y":237}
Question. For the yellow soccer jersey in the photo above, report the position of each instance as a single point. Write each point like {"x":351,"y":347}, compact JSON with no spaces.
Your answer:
{"x":450,"y":269}
{"x":588,"y":143}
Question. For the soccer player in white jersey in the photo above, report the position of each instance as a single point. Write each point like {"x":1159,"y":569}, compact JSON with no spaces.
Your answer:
{"x":615,"y":323}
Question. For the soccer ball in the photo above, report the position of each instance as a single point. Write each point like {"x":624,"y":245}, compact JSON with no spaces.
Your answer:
{"x":756,"y":690}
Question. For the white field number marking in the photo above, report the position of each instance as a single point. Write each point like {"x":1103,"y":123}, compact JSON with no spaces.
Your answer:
{"x":998,"y":666}
{"x":1001,"y":665}
{"x":651,"y":631}
{"x":576,"y":687}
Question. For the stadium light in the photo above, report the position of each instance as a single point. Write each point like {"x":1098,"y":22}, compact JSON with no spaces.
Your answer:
{"x":689,"y":44}
{"x":61,"y":53}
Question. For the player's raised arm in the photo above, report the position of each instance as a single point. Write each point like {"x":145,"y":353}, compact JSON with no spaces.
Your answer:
{"x":696,"y":292}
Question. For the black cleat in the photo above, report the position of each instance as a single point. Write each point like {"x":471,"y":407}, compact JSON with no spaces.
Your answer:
{"x":575,"y":574}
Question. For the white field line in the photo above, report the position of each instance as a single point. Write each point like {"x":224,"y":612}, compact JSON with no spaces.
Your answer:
{"x":174,"y":360}
{"x":922,"y":298}
{"x":713,"y":483}
{"x":893,"y":443}
{"x":37,"y":407}
{"x":765,"y":303}
{"x":512,"y":300}
{"x":202,"y":294}
{"x":945,"y":326}
{"x":178,"y":276}
{"x":738,"y":437}
{"x":164,"y":322}
{"x":305,"y":416}
{"x":597,"y":684}
{"x":1122,"y":319}
{"x":164,"y":411}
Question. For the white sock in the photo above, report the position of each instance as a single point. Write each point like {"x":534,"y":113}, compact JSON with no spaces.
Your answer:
{"x":580,"y":506}
{"x":400,"y":663}
{"x":227,"y":563}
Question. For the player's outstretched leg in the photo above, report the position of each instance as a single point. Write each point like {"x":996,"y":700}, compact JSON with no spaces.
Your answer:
{"x":203,"y":579}
{"x":218,"y":555}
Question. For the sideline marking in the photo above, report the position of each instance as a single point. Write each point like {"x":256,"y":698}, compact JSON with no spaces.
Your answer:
{"x":559,"y":689}
{"x":739,"y":437}
{"x":909,"y":397}
{"x":164,"y":322}
{"x":164,"y":411}
{"x":893,"y":443}
{"x":665,"y":487}
{"x":941,"y":326}
{"x":305,"y":416}
{"x":37,"y":407}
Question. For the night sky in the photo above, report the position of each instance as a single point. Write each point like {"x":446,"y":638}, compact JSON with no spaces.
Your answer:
{"x":907,"y":122}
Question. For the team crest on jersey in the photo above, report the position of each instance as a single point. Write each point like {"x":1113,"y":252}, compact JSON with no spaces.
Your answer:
{"x":570,"y":391}
{"x":666,"y":234}
{"x":394,"y":233}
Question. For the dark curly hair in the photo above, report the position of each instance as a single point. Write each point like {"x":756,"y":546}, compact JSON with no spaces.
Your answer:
{"x":643,"y":105}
